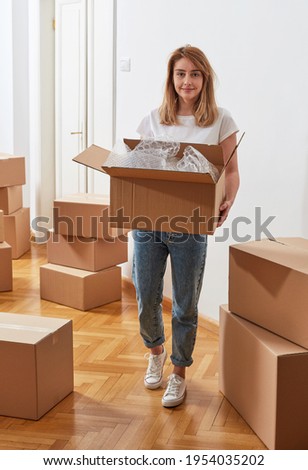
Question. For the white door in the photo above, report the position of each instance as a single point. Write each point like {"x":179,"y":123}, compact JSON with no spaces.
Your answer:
{"x":70,"y":89}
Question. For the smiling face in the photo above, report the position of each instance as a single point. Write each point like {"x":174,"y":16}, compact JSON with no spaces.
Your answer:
{"x":187,"y":80}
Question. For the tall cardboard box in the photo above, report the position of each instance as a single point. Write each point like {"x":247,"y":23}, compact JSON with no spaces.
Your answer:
{"x":265,"y":378}
{"x":84,"y":215}
{"x":268,"y":285}
{"x":11,"y":199}
{"x":36,"y":364}
{"x":12,"y":170}
{"x":162,"y":200}
{"x":80,"y":289}
{"x":91,"y":254}
{"x":6,"y":268}
{"x":17,"y":231}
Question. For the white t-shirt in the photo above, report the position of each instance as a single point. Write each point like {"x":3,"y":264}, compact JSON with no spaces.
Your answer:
{"x":187,"y":130}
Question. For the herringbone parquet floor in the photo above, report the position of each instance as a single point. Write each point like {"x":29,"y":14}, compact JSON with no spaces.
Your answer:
{"x":110,"y":408}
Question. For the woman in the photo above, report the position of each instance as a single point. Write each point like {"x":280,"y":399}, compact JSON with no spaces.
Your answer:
{"x":188,"y":114}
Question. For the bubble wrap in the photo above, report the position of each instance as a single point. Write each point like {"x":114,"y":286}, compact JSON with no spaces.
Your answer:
{"x":149,"y":153}
{"x":155,"y":154}
{"x":119,"y":156}
{"x":194,"y":161}
{"x":160,"y":154}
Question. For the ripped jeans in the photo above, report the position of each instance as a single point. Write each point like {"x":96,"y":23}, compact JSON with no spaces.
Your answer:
{"x":187,"y":255}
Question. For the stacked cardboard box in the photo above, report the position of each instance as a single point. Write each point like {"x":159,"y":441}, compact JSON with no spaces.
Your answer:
{"x":36,"y":364}
{"x":83,"y":255}
{"x":264,"y":341}
{"x":6,"y":268}
{"x":16,"y":217}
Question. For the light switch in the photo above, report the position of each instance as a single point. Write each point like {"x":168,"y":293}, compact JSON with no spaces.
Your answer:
{"x":125,"y":64}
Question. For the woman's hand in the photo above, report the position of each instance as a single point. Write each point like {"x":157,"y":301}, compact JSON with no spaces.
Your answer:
{"x":224,"y":211}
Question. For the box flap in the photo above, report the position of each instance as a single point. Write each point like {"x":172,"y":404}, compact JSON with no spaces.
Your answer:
{"x":289,"y":252}
{"x":93,"y":157}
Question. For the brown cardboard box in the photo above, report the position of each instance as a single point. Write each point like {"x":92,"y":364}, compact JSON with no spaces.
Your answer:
{"x":12,"y":170}
{"x":76,"y":288}
{"x":84,"y":215}
{"x":268,"y":285}
{"x":265,"y":378}
{"x":11,"y":199}
{"x":36,"y":364}
{"x":17,"y":231}
{"x":2,"y":236}
{"x":91,"y":254}
{"x":162,"y":200}
{"x":6,"y":268}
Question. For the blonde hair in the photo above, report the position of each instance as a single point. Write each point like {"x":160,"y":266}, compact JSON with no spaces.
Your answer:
{"x":205,"y":108}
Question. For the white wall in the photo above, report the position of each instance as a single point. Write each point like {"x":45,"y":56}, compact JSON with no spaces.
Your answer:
{"x":46,"y":171}
{"x":21,"y":98}
{"x":19,"y":44}
{"x":101,"y":83}
{"x":258,"y":50}
{"x":6,"y":78}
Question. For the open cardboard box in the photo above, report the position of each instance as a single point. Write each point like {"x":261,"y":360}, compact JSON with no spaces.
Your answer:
{"x":163,"y":200}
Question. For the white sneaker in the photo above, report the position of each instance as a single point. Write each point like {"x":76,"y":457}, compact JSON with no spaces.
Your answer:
{"x":175,"y":392}
{"x":154,"y":374}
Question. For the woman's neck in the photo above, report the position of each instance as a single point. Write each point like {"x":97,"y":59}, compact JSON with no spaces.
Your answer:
{"x":185,"y":109}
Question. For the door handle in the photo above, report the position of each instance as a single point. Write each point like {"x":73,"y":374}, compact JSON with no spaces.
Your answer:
{"x":77,"y":132}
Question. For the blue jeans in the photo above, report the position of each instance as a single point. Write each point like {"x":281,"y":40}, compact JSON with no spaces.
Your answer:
{"x":187,"y":255}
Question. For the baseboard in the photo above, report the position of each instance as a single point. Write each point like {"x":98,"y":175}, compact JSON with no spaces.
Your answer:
{"x":206,"y":322}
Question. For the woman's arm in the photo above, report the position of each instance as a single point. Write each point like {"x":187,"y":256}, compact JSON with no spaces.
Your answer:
{"x":232,"y":180}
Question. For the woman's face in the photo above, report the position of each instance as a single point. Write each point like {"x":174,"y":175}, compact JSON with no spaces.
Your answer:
{"x":187,"y":80}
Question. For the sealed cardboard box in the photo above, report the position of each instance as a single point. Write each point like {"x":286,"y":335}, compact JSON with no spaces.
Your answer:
{"x":91,"y":254}
{"x":6,"y":268}
{"x":173,"y":201}
{"x":12,"y":170}
{"x":17,"y":231}
{"x":268,"y":285}
{"x":80,"y":289}
{"x":36,"y":364}
{"x":265,"y":378}
{"x":11,"y":199}
{"x":84,"y":215}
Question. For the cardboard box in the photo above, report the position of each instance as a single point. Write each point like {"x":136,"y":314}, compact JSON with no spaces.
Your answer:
{"x":36,"y":364}
{"x":91,"y":254}
{"x":6,"y":267}
{"x":265,"y":378}
{"x":268,"y":285}
{"x":12,"y":170}
{"x":84,"y":215}
{"x":2,"y":236}
{"x":80,"y":289}
{"x":17,"y":231}
{"x":173,"y":201}
{"x":11,"y":199}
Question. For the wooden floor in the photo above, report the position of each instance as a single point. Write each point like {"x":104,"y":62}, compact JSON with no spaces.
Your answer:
{"x":110,"y":408}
